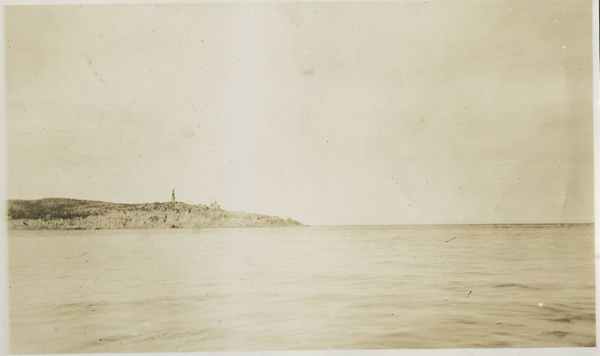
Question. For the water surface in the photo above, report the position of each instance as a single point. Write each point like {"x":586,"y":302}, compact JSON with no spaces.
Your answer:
{"x":301,"y":288}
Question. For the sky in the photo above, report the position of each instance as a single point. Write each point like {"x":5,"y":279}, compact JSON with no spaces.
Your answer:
{"x":329,"y":113}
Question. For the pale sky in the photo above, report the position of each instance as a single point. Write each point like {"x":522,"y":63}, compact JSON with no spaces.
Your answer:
{"x":329,"y":113}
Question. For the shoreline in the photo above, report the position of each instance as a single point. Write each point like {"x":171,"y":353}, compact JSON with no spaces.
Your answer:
{"x":72,"y":214}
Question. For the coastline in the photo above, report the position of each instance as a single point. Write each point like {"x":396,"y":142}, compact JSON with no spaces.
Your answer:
{"x":72,"y":214}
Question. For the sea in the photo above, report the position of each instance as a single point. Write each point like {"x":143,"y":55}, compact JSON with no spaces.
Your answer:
{"x":312,"y":288}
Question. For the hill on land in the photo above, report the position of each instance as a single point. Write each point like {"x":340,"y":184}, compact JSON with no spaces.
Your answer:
{"x":67,"y":214}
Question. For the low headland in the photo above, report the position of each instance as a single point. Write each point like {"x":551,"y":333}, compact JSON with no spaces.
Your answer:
{"x":73,"y":214}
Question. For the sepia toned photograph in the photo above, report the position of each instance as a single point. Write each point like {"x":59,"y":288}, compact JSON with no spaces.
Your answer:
{"x":299,"y":176}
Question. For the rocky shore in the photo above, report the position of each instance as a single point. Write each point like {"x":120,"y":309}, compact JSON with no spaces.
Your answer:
{"x":72,"y":214}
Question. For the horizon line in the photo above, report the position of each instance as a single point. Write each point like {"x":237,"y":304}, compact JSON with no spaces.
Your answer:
{"x":459,"y":224}
{"x":332,"y":225}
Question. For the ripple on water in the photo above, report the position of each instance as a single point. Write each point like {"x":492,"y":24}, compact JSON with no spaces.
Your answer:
{"x":314,"y":288}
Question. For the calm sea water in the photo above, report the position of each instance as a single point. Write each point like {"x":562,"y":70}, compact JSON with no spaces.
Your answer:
{"x":301,"y":288}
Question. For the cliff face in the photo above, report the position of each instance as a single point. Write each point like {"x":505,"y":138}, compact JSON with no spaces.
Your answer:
{"x":65,"y":214}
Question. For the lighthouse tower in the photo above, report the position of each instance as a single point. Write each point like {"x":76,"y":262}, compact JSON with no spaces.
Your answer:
{"x":173,"y":196}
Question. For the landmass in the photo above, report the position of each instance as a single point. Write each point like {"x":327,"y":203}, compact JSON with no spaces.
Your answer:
{"x":74,"y":214}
